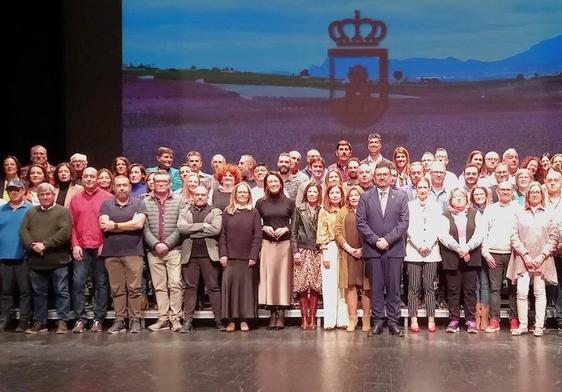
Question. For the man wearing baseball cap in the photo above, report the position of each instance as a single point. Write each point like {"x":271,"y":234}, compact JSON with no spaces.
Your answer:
{"x":14,"y":269}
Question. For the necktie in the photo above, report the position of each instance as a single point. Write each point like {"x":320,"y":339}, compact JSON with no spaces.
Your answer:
{"x":383,"y":201}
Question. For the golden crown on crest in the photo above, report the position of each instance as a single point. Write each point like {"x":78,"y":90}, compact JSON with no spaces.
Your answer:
{"x":376,"y":31}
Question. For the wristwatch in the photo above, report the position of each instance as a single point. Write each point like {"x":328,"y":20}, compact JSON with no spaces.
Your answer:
{"x":115,"y":225}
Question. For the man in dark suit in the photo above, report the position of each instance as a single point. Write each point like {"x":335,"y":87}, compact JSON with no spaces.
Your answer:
{"x":382,"y":220}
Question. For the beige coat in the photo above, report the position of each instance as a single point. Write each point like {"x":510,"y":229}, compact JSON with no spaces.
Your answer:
{"x":533,"y":233}
{"x":72,"y":191}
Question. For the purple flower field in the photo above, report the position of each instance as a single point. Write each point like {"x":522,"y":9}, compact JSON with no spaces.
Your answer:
{"x":187,"y":115}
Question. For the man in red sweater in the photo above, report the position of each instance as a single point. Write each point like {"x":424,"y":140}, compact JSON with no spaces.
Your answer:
{"x":87,"y":242}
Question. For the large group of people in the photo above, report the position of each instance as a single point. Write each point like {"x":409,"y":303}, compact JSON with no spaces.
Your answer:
{"x":360,"y":236}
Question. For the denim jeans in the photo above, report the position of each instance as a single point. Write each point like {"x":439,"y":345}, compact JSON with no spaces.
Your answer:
{"x":483,"y":285}
{"x":40,"y":280}
{"x":90,"y":263}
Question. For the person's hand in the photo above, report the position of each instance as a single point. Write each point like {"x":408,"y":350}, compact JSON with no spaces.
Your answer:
{"x":224,"y":261}
{"x":38,"y":247}
{"x":492,"y":263}
{"x":424,"y":251}
{"x":161,"y":248}
{"x":108,"y":225}
{"x":251,"y":263}
{"x":280,"y":232}
{"x":297,"y":259}
{"x":382,"y":244}
{"x":537,"y":261}
{"x":269,"y":231}
{"x":326,"y":264}
{"x":77,"y":253}
{"x":357,"y":253}
{"x":466,"y":257}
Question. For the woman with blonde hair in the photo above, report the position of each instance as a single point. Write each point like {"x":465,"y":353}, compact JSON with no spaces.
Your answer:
{"x":534,"y":242}
{"x":401,"y":161}
{"x":239,"y":248}
{"x":190,"y":182}
{"x":335,"y":308}
{"x":351,"y":264}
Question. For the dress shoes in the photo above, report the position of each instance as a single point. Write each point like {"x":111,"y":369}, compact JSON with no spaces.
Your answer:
{"x":375,"y":330}
{"x":187,"y":326}
{"x":394,"y":330}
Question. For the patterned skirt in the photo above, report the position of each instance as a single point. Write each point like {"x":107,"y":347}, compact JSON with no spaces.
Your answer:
{"x":308,"y":275}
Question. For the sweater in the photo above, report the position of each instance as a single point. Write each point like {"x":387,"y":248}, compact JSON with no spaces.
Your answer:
{"x":11,"y":247}
{"x":241,"y":235}
{"x":85,"y":209}
{"x":52,"y":227}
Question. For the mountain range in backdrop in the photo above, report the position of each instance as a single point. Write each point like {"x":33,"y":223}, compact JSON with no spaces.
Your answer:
{"x":542,"y":58}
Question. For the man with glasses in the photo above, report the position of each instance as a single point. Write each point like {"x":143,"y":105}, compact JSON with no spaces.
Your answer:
{"x":438,"y":192}
{"x":162,"y":237}
{"x":501,"y":174}
{"x":499,"y":219}
{"x":382,"y":220}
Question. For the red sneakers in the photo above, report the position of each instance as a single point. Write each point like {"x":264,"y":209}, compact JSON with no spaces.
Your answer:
{"x":513,"y":324}
{"x":494,"y":326}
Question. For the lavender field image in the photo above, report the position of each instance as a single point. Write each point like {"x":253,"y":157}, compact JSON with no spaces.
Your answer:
{"x":194,"y":115}
{"x":239,"y":79}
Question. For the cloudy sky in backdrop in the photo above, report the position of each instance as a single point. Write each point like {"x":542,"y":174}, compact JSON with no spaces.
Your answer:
{"x":289,"y":35}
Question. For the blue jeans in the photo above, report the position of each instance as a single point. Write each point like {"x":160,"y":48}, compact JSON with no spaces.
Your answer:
{"x":483,"y":285}
{"x":90,"y":263}
{"x":40,"y":280}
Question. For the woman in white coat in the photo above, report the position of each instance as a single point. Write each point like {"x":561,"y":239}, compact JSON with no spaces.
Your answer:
{"x":422,"y":254}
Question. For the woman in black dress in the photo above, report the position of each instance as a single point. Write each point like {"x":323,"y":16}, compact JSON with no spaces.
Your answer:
{"x":239,"y":247}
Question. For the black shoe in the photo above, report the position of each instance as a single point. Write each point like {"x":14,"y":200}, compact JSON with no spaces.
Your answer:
{"x":3,"y":325}
{"x":375,"y":330}
{"x":220,"y":326}
{"x":394,"y":330}
{"x":23,"y":325}
{"x":187,"y":326}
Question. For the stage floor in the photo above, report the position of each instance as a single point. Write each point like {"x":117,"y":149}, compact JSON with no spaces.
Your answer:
{"x":287,"y":360}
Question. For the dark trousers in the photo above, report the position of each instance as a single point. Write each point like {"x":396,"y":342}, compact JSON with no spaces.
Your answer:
{"x":463,"y":278}
{"x":418,"y":273}
{"x":497,"y":275}
{"x":90,"y":264}
{"x":192,"y":271}
{"x":40,"y":280}
{"x":384,"y":276}
{"x":15,"y":275}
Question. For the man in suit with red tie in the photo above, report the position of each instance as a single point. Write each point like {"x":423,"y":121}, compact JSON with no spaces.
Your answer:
{"x":382,"y":220}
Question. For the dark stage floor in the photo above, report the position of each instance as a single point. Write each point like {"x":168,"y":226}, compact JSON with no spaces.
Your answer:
{"x":288,"y":360}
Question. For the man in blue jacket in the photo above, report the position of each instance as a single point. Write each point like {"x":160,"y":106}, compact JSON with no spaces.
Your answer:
{"x":382,"y":220}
